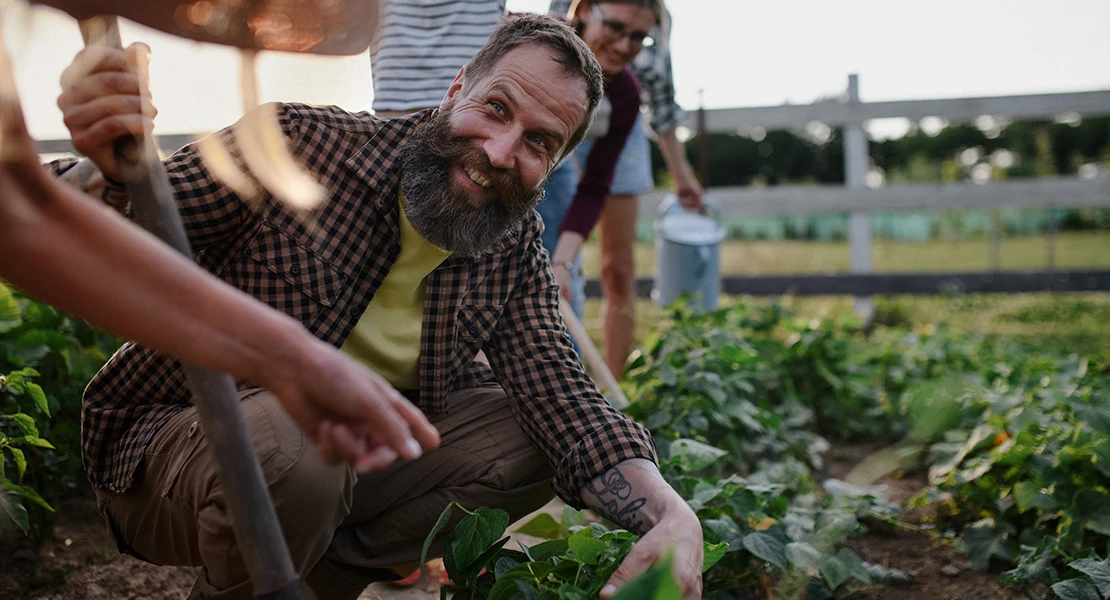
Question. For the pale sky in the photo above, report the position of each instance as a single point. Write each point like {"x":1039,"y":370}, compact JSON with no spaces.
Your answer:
{"x":740,"y":52}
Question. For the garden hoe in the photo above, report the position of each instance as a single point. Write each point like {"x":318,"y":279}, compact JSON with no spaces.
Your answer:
{"x":335,"y":27}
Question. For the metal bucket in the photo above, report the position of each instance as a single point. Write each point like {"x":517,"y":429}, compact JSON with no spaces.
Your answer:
{"x":688,"y":253}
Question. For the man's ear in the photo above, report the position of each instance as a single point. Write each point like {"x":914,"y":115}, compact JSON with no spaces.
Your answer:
{"x":456,"y":85}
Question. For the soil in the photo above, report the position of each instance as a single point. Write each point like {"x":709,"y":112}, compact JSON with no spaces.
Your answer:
{"x":81,"y":563}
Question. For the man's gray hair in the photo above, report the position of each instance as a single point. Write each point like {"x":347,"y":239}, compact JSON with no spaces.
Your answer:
{"x":548,"y":32}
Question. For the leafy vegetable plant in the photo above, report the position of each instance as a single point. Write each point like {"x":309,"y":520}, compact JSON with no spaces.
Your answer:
{"x":574,"y":567}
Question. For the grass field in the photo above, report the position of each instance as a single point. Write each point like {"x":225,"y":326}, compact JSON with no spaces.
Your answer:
{"x":738,"y":257}
{"x":1076,"y":322}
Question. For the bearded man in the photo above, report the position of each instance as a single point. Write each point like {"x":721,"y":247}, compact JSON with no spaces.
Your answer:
{"x":426,"y":251}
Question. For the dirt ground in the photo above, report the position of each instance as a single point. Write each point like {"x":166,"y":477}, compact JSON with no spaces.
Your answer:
{"x":82,"y":564}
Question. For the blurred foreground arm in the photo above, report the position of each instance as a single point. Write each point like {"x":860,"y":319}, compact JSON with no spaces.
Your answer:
{"x":78,"y":255}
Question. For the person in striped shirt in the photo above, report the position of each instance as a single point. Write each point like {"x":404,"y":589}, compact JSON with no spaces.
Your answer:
{"x":420,"y":48}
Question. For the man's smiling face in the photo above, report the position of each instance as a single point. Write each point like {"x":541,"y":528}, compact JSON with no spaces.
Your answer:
{"x":520,"y":115}
{"x":476,"y":168}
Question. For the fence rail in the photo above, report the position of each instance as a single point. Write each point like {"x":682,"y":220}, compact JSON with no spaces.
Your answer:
{"x":1055,"y":192}
{"x":838,"y":114}
{"x":893,"y":284}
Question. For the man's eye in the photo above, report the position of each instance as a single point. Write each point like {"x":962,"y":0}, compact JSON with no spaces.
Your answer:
{"x":497,"y":106}
{"x":539,"y":141}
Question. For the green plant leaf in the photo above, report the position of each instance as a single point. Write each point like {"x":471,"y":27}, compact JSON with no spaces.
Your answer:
{"x":803,"y":555}
{"x":570,"y":519}
{"x":507,"y":585}
{"x":17,"y":513}
{"x":695,"y":454}
{"x":724,"y":528}
{"x":36,"y":394}
{"x":834,"y":571}
{"x":767,"y":546}
{"x":713,"y":554}
{"x":567,"y":591}
{"x":9,"y":310}
{"x":475,"y":533}
{"x":22,"y":491}
{"x":543,"y":526}
{"x":441,"y":522}
{"x":658,"y":583}
{"x":1097,"y":570}
{"x":20,"y":461}
{"x":856,"y":567}
{"x":585,"y":547}
{"x":1075,"y":589}
{"x":503,"y":565}
{"x":983,"y":541}
{"x":1035,"y":563}
{"x":546,"y":550}
{"x":36,"y":442}
{"x":26,"y":424}
{"x":483,"y":560}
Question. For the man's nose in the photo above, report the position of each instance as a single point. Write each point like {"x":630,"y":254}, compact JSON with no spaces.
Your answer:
{"x":501,"y":151}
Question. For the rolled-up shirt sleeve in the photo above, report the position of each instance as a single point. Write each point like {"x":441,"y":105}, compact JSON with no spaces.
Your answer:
{"x":559,"y":407}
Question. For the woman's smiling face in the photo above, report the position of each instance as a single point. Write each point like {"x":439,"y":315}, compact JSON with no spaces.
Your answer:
{"x":615,"y":32}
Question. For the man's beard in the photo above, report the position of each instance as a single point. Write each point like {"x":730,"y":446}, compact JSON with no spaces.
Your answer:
{"x":444,"y":216}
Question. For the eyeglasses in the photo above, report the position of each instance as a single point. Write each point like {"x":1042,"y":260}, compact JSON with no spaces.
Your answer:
{"x":616,"y":31}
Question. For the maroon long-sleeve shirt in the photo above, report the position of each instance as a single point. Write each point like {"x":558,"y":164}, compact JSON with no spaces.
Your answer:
{"x":623,"y":91}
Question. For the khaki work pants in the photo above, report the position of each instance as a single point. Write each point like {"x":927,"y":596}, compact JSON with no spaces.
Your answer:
{"x":344,"y":531}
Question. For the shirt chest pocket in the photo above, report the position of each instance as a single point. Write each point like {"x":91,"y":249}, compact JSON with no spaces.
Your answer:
{"x":475,"y":324}
{"x":282,"y":273}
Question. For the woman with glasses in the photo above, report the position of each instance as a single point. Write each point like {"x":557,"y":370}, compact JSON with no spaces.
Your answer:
{"x":628,"y":37}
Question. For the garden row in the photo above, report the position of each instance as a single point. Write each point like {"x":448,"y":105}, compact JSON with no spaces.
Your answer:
{"x":1015,"y":441}
{"x":743,"y":404}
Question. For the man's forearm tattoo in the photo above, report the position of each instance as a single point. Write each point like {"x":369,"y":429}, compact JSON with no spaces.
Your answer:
{"x":613,"y":496}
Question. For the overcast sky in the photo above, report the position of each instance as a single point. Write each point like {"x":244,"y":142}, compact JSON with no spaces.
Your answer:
{"x":740,"y":52}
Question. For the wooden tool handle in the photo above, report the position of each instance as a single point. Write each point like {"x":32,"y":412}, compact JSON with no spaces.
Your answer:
{"x":253,"y":518}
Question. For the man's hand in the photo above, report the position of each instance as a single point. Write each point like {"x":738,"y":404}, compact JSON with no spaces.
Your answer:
{"x":634,"y":495}
{"x":104,"y":99}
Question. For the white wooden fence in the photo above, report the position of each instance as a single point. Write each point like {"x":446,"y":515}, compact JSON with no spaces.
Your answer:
{"x":858,"y":200}
{"x":855,"y":198}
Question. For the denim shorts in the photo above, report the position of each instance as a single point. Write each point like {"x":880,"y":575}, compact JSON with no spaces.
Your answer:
{"x":562,"y":183}
{"x":633,"y":175}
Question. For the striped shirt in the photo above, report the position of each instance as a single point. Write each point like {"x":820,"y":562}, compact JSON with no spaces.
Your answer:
{"x":423,"y":44}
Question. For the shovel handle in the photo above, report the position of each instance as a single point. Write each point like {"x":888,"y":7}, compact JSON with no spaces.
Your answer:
{"x":598,"y":368}
{"x":253,"y":517}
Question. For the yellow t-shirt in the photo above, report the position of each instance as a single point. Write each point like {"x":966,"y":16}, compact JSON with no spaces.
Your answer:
{"x":387,"y":337}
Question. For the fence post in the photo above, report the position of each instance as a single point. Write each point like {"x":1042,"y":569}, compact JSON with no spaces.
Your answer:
{"x":859,"y":221}
{"x":703,"y":141}
{"x":1052,"y":228}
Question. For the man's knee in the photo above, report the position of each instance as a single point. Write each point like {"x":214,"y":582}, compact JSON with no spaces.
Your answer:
{"x":310,"y":497}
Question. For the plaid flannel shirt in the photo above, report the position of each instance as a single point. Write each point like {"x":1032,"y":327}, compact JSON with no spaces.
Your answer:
{"x":323,"y":267}
{"x":652,"y":67}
